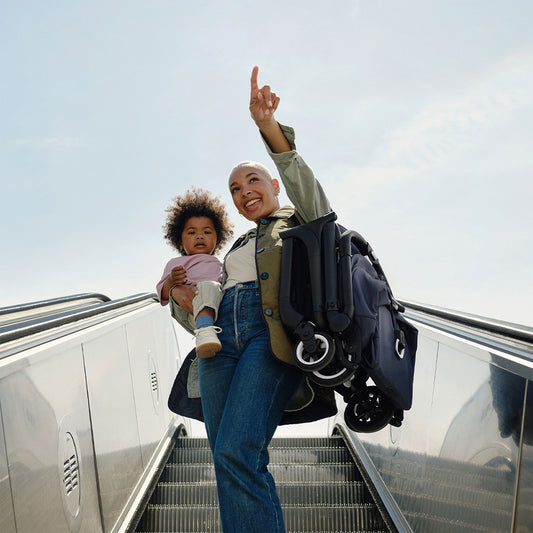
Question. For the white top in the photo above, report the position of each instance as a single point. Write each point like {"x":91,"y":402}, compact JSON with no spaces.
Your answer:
{"x":240,"y":265}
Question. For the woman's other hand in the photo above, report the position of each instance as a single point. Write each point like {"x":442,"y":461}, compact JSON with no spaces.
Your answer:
{"x":183,"y":295}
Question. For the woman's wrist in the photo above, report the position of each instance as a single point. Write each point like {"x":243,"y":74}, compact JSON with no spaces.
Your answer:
{"x":266,"y":125}
{"x":170,"y":290}
{"x":275,"y":138}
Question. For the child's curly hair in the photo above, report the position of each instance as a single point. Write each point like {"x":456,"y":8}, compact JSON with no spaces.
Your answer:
{"x":196,"y":203}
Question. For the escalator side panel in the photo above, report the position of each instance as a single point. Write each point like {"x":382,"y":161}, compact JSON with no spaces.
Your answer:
{"x":149,"y":401}
{"x":48,"y":442}
{"x":454,"y":463}
{"x":113,"y":414}
{"x":7,"y":514}
{"x":85,"y":419}
{"x":130,"y":368}
{"x":524,"y":514}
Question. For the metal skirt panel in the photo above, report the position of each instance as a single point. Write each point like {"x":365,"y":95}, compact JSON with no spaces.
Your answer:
{"x":84,"y":415}
{"x":49,"y":444}
{"x":453,"y":465}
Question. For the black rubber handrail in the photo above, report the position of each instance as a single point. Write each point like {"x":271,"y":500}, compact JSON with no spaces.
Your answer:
{"x":509,"y":330}
{"x":53,"y":301}
{"x":20,"y":330}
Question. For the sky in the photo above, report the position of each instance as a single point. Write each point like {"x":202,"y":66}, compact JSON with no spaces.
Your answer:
{"x":415,"y":116}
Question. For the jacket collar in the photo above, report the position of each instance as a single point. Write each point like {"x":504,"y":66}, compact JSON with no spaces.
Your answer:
{"x":283,"y":212}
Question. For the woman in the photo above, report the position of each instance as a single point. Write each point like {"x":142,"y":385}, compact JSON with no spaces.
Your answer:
{"x":247,"y":387}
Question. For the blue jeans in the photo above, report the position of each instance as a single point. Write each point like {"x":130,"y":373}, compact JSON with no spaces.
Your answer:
{"x":244,"y":392}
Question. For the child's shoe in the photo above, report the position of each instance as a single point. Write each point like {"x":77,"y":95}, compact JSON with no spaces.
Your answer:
{"x":207,"y":343}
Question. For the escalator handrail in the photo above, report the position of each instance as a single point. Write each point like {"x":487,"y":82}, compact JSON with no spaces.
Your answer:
{"x":20,"y":330}
{"x":516,"y":332}
{"x":53,"y":301}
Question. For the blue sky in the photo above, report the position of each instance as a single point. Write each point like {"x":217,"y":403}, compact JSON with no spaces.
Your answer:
{"x":416,"y":117}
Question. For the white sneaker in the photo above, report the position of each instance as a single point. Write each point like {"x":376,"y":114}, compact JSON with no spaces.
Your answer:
{"x":207,"y":343}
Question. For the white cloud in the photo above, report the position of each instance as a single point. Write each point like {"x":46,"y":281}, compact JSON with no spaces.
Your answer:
{"x":445,"y":127}
{"x":44,"y":142}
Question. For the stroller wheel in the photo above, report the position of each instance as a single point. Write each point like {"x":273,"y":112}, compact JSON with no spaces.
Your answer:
{"x":319,"y":359}
{"x":332,"y":375}
{"x":369,"y":414}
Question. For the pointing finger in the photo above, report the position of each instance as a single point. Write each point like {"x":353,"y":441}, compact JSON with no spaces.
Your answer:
{"x":254,"y":86}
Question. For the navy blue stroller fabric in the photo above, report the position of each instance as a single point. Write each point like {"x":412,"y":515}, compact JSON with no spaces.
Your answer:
{"x":387,"y":341}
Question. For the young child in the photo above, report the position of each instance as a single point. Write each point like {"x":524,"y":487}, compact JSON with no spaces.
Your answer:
{"x":197,"y":226}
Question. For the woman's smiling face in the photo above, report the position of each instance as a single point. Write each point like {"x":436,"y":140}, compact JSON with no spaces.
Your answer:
{"x":254,"y":194}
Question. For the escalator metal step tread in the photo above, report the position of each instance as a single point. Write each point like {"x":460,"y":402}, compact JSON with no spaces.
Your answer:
{"x":282,"y":473}
{"x":278,"y":442}
{"x":308,"y":442}
{"x":316,"y":494}
{"x":277,"y":455}
{"x":338,"y":519}
{"x":320,"y":489}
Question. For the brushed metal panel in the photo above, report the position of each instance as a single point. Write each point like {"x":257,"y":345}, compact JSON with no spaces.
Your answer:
{"x":167,"y":344}
{"x":153,"y":351}
{"x":41,"y":402}
{"x":115,"y":432}
{"x":7,"y":514}
{"x":524,"y":514}
{"x":452,"y":466}
{"x":146,"y":366}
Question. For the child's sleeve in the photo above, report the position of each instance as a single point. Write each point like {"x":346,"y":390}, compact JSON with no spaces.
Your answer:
{"x":166,"y":272}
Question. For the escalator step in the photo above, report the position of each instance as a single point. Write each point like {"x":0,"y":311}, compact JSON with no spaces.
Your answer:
{"x":308,"y":442}
{"x":278,"y":442}
{"x":320,"y":489}
{"x":191,"y":443}
{"x":317,"y":494}
{"x":277,"y":456}
{"x":182,"y":473}
{"x":337,"y":519}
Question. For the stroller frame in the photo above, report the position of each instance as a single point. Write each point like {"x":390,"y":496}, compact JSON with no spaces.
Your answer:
{"x":317,"y":308}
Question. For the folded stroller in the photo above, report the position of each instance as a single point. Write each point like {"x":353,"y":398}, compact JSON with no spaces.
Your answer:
{"x":338,"y":307}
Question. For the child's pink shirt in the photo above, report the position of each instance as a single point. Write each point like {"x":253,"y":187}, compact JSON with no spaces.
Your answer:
{"x":199,"y":267}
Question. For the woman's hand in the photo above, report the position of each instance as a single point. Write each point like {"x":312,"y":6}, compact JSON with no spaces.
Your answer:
{"x":263,"y":102}
{"x":183,"y":295}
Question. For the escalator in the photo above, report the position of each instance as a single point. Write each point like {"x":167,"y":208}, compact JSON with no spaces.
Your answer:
{"x":88,"y":445}
{"x":318,"y":482}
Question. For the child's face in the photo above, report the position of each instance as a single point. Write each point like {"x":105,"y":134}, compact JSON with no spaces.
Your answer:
{"x":199,"y":236}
